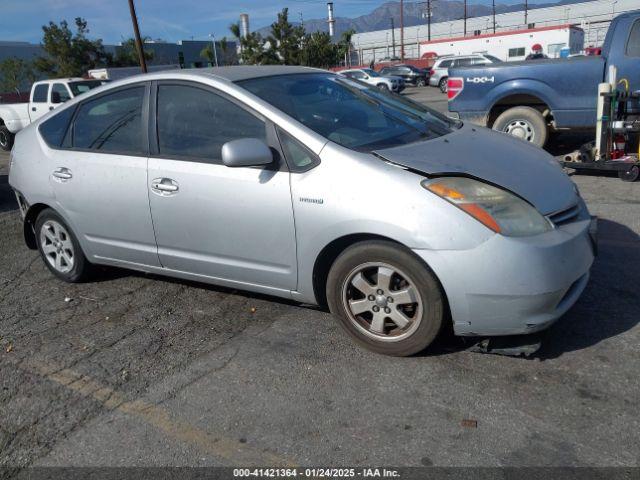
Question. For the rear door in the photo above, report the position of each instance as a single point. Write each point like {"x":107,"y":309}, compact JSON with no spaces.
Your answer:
{"x":99,"y":176}
{"x":234,"y":224}
{"x":39,"y":101}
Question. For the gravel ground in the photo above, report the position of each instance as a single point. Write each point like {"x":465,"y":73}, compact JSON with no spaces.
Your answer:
{"x":137,"y":370}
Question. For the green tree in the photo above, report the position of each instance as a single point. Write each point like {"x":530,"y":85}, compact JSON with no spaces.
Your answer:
{"x":69,"y":54}
{"x":15,"y":72}
{"x":208,"y":54}
{"x":345,"y":46}
{"x":253,"y":49}
{"x":319,"y":51}
{"x":127,"y":54}
{"x":285,"y":41}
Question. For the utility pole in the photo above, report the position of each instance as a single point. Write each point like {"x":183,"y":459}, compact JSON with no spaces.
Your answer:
{"x":393,"y":38}
{"x":429,"y":20}
{"x":465,"y":18}
{"x":493,"y":6}
{"x":136,"y":31}
{"x":526,"y":14}
{"x":402,"y":30}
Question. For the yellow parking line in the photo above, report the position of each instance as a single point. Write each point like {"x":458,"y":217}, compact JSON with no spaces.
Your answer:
{"x":236,"y":453}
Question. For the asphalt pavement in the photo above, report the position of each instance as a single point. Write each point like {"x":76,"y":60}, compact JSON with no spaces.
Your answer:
{"x":138,"y":370}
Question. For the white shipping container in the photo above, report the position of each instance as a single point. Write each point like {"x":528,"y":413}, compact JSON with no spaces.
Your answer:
{"x":511,"y":45}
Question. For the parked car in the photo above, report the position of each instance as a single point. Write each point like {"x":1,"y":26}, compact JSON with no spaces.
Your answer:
{"x":45,"y":95}
{"x":530,"y":99}
{"x":413,"y":75}
{"x":440,"y":71}
{"x":303,"y":184}
{"x":371,"y":77}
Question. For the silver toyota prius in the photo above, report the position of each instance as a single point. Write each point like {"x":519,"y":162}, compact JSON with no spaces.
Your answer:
{"x":303,"y":184}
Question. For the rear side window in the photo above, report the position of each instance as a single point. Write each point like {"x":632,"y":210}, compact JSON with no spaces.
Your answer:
{"x":40,"y":93}
{"x":446,"y":63}
{"x":111,"y":123}
{"x":196,"y":123}
{"x":53,"y":130}
{"x":633,"y":45}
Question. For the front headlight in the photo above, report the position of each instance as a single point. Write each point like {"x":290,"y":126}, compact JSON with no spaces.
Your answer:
{"x":497,"y":209}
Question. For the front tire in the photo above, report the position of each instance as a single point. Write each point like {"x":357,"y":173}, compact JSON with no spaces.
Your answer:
{"x":60,"y":249}
{"x":6,"y":138}
{"x":443,"y":84}
{"x":525,"y":123}
{"x":383,"y":87}
{"x":385,"y":298}
{"x":421,"y":82}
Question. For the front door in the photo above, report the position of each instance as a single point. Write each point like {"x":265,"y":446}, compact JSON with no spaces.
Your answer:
{"x":100,"y":177}
{"x":234,"y":224}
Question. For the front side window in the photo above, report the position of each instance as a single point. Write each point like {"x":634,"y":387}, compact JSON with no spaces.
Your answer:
{"x":40,"y":93}
{"x":352,"y":114}
{"x":61,"y":91}
{"x":633,"y":44}
{"x":111,"y":123}
{"x":299,"y":157}
{"x":196,"y":123}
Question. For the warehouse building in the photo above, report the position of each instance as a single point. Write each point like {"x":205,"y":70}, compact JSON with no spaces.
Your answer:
{"x":592,"y":17}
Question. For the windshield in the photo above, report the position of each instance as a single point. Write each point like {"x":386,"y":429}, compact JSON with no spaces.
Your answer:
{"x":350,"y":113}
{"x":371,"y":73}
{"x":84,"y":86}
{"x":492,"y":58}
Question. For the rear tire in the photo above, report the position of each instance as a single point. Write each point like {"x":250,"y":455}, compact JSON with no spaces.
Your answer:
{"x":385,"y":298}
{"x":6,"y":138}
{"x":421,"y":82}
{"x":443,"y":84}
{"x":525,"y":123}
{"x":60,"y":249}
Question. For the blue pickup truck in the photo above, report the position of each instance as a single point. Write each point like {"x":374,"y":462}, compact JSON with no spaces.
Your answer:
{"x":531,"y":99}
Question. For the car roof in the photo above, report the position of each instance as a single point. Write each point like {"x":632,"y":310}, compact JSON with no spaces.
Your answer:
{"x":245,"y":72}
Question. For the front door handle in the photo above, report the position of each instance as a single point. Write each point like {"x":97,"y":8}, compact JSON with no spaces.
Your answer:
{"x":62,"y":173}
{"x":164,"y":185}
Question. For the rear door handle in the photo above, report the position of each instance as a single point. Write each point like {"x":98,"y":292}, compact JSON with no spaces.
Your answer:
{"x":164,"y":186}
{"x":62,"y":173}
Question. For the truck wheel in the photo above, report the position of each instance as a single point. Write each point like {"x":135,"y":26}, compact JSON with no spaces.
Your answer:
{"x":6,"y":138}
{"x":525,"y":123}
{"x":443,"y":84}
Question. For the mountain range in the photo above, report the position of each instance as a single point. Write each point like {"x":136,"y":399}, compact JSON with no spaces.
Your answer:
{"x":441,"y":10}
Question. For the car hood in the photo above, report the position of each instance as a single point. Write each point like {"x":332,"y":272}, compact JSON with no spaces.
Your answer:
{"x":495,"y":157}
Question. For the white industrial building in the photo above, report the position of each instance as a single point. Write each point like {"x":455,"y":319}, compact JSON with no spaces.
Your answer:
{"x":592,"y":17}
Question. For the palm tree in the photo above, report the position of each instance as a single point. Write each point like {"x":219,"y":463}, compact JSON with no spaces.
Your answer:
{"x":345,"y":45}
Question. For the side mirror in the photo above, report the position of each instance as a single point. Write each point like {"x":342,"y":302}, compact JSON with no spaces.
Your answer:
{"x":246,"y":152}
{"x":55,"y":97}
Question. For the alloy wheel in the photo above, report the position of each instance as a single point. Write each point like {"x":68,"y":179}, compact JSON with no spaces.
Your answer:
{"x":382,"y":301}
{"x":4,"y":139}
{"x":57,"y":246}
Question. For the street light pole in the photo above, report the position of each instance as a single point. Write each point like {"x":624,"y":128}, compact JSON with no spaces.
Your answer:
{"x":402,"y":30}
{"x":213,"y":45}
{"x":136,"y":32}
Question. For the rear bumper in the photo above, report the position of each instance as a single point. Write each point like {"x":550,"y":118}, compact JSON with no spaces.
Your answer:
{"x":477,"y":118}
{"x":508,"y":286}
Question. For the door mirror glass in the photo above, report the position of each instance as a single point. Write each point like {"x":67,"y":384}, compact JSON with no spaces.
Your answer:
{"x":246,"y":152}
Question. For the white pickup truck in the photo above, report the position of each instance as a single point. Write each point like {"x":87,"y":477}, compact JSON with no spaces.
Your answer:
{"x":45,"y":95}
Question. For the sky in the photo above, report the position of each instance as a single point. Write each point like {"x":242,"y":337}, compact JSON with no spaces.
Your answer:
{"x":170,"y":20}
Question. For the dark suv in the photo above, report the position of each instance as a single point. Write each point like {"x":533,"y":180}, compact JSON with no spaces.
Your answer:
{"x":411,"y":74}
